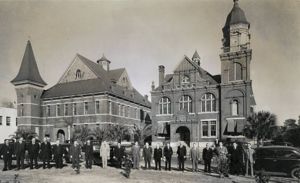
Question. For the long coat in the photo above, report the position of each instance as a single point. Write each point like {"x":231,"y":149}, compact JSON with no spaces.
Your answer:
{"x":157,"y":153}
{"x":168,"y":152}
{"x":181,"y":152}
{"x":104,"y":151}
{"x":194,"y":153}
{"x":33,"y":150}
{"x":75,"y":152}
{"x":147,"y":153}
{"x":6,"y":151}
{"x":46,"y":150}
{"x":207,"y":154}
{"x":20,"y":149}
{"x":88,"y":149}
{"x":58,"y":151}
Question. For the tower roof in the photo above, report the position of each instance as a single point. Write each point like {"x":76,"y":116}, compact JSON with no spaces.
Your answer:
{"x":29,"y":72}
{"x":103,"y":58}
{"x":236,"y":15}
{"x":196,"y":55}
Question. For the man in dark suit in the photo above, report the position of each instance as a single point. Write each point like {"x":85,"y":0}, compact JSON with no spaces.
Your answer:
{"x":147,"y":154}
{"x":88,"y":150}
{"x":157,"y":156}
{"x":168,"y":152}
{"x":119,"y":155}
{"x":58,"y":153}
{"x":46,"y":152}
{"x":6,"y":154}
{"x":181,"y":153}
{"x":236,"y":160}
{"x":207,"y":156}
{"x":33,"y":151}
{"x":20,"y":153}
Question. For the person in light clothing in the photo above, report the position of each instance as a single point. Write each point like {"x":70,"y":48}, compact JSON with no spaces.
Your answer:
{"x":249,"y":159}
{"x":104,"y":153}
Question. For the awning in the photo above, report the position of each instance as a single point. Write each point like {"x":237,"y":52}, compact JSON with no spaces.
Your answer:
{"x":230,"y":125}
{"x":240,"y":125}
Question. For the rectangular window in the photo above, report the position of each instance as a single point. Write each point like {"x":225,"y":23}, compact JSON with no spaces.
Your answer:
{"x":98,"y":107}
{"x":123,"y":110}
{"x":120,"y":110}
{"x":1,"y":120}
{"x":48,"y":110}
{"x":205,"y":128}
{"x":7,"y":121}
{"x":58,"y":110}
{"x":213,"y":128}
{"x":209,"y":128}
{"x":74,"y":109}
{"x":86,"y":107}
{"x":110,"y":107}
{"x":136,"y":114}
{"x":16,"y":121}
{"x":66,"y":109}
{"x":208,"y":107}
{"x":22,"y":110}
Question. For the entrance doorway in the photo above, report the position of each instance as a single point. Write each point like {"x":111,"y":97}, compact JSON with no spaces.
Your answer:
{"x":184,"y":134}
{"x":61,"y":135}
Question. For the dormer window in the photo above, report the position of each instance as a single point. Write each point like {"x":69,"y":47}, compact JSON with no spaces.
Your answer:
{"x":78,"y":74}
{"x":185,"y":79}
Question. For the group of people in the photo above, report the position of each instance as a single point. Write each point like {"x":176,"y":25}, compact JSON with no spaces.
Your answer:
{"x":233,"y":161}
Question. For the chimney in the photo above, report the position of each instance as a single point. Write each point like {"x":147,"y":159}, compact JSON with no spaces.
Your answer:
{"x":161,"y":70}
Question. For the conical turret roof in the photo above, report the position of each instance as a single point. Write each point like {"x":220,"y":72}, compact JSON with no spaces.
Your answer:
{"x":29,"y":72}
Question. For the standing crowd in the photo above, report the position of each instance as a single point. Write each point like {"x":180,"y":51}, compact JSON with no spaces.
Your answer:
{"x":216,"y":157}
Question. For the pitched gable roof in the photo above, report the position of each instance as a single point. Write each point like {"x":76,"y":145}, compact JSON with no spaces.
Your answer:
{"x":29,"y":72}
{"x":116,"y":74}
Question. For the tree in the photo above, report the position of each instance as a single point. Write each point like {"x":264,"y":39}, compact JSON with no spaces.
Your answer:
{"x":141,"y":132}
{"x":81,"y":133}
{"x":111,"y":132}
{"x":290,"y":124}
{"x":261,"y":125}
{"x":27,"y":134}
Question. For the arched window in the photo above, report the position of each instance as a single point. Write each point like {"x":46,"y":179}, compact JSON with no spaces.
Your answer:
{"x":185,"y":102}
{"x":185,"y":79}
{"x":164,"y":106}
{"x":238,"y":72}
{"x":208,"y":103}
{"x":78,"y":74}
{"x":234,"y":108}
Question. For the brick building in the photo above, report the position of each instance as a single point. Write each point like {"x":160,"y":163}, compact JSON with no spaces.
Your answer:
{"x":88,"y":93}
{"x":193,"y":105}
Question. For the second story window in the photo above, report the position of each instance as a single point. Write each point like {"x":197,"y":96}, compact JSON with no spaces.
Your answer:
{"x":164,"y":105}
{"x":86,"y":107}
{"x":234,"y":108}
{"x":208,"y":103}
{"x":74,"y":109}
{"x":66,"y":109}
{"x":185,"y":102}
{"x":1,"y":120}
{"x":97,"y":106}
{"x":48,"y":110}
{"x":8,"y":121}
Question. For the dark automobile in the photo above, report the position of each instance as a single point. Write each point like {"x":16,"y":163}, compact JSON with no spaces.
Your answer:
{"x":278,"y":160}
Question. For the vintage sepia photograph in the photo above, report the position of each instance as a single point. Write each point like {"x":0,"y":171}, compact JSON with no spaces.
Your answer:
{"x":149,"y":91}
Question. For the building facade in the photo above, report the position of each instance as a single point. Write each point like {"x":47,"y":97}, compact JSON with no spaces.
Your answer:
{"x":8,"y":122}
{"x":192,"y":105}
{"x":88,"y":93}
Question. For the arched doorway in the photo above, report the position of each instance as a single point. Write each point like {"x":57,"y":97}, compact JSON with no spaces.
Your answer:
{"x":184,"y":134}
{"x":61,"y":135}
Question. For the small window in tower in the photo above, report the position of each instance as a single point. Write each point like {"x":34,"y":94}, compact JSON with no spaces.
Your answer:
{"x":238,"y":71}
{"x":78,"y":74}
{"x":185,"y":79}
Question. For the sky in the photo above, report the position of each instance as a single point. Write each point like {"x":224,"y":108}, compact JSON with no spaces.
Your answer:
{"x":143,"y":34}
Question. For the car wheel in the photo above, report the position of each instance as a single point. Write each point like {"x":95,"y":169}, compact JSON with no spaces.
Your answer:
{"x":296,"y":173}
